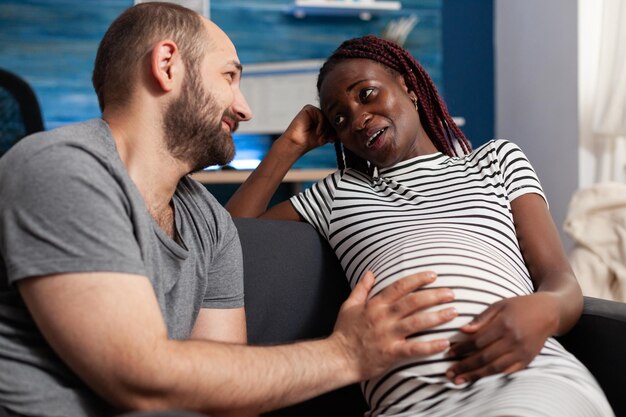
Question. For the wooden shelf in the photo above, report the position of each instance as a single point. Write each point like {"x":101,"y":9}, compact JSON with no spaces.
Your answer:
{"x":239,"y":176}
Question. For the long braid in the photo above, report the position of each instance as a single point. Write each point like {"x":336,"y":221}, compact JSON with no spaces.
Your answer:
{"x":436,"y":119}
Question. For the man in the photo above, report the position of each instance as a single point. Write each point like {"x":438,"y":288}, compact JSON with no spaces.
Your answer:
{"x":121,"y":277}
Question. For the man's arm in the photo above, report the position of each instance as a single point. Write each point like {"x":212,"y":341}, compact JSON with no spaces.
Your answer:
{"x":221,"y":325}
{"x":108,"y":328}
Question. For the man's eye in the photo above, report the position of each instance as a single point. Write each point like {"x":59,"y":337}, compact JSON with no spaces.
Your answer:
{"x":365,"y":93}
{"x":338,"y":120}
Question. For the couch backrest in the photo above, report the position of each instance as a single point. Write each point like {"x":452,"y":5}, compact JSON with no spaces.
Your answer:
{"x":294,"y":287}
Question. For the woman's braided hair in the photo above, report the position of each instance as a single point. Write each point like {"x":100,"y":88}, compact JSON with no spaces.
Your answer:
{"x":434,"y":116}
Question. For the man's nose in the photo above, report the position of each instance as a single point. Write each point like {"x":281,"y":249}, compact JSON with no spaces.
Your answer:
{"x":241,"y":107}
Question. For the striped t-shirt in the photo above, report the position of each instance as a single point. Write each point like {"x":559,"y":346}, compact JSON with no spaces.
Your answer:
{"x":450,"y":215}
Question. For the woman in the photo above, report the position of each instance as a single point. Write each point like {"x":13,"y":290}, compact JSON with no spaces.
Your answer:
{"x":403,"y":201}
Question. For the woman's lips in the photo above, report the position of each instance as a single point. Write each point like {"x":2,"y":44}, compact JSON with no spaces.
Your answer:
{"x":377,"y":139}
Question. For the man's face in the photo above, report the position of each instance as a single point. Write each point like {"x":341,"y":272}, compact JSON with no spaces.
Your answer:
{"x":193,"y":133}
{"x":199,"y":123}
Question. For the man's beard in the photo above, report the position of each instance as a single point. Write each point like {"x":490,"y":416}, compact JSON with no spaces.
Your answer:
{"x":192,"y":135}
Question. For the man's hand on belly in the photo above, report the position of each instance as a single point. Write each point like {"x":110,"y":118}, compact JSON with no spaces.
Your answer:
{"x":375,"y":332}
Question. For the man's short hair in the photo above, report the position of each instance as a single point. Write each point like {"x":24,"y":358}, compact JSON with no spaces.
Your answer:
{"x":130,"y":39}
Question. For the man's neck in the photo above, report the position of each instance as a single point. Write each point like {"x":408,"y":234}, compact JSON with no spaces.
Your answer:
{"x":141,"y":144}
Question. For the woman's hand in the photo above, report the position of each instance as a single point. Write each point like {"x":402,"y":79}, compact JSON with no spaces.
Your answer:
{"x":505,"y":338}
{"x":308,"y":130}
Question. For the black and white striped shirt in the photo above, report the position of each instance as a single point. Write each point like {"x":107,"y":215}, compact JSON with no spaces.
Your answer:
{"x":450,"y":215}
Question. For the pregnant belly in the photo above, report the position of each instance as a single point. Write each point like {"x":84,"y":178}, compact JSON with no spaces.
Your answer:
{"x":475,"y":288}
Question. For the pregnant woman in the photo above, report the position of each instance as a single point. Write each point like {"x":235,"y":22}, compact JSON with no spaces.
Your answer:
{"x":409,"y":195}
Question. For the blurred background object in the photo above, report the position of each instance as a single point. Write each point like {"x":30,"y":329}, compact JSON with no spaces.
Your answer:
{"x":20,"y":114}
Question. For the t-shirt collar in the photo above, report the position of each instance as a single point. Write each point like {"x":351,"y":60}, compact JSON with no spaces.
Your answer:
{"x":422,"y":161}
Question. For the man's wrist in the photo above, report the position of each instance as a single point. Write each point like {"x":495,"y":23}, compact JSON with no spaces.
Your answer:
{"x":347,"y":357}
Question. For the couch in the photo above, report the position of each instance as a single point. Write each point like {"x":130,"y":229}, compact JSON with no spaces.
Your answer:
{"x":294,"y":286}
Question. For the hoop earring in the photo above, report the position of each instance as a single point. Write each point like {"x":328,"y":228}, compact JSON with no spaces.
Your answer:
{"x":414,"y":100}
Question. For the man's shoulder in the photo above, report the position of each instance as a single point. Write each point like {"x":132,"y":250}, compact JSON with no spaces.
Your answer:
{"x":91,"y":136}
{"x":53,"y":159}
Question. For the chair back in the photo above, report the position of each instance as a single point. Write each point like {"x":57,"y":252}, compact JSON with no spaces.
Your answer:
{"x":20,"y":114}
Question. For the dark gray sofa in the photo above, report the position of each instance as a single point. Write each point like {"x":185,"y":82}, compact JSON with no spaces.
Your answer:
{"x":294,"y":286}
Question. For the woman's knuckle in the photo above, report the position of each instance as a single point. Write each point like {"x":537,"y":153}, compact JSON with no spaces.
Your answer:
{"x":517,"y":337}
{"x":508,"y":325}
{"x":493,"y":368}
{"x":474,"y":376}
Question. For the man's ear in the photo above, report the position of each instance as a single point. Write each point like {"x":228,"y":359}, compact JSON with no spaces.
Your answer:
{"x":165,"y":64}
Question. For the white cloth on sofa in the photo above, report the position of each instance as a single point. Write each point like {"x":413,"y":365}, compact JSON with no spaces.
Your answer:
{"x":596,"y":220}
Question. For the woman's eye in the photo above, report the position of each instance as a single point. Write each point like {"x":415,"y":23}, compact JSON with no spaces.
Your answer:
{"x":365,"y":93}
{"x":338,"y":120}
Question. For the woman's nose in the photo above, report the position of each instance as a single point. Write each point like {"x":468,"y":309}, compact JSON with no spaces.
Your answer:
{"x":361,"y":121}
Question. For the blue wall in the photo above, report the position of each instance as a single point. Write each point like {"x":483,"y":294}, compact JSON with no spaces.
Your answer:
{"x":468,"y":66}
{"x":52,"y":44}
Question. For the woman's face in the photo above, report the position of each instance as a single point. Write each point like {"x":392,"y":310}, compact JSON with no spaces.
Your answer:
{"x":371,"y":111}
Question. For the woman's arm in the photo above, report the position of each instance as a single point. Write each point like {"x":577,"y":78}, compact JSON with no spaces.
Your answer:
{"x":306,"y":132}
{"x":508,"y":335}
{"x":547,"y":261}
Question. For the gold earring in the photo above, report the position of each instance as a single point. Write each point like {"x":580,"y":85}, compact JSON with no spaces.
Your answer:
{"x":414,"y":100}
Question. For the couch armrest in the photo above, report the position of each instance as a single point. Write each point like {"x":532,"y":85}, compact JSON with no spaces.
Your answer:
{"x":599,"y":341}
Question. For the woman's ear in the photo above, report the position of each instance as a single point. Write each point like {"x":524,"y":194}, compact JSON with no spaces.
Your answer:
{"x":410,"y":93}
{"x":164,"y":63}
{"x":402,"y":82}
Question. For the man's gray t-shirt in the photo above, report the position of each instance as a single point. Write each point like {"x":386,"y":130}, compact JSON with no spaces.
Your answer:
{"x":67,"y":204}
